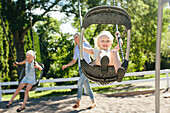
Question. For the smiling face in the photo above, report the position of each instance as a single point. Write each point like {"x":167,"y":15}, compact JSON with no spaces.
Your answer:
{"x":76,"y":39}
{"x":104,"y":42}
{"x":29,"y":58}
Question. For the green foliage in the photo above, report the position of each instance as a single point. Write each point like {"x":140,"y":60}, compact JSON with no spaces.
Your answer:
{"x":2,"y":64}
{"x":63,"y":55}
{"x":17,"y":14}
{"x":50,"y":84}
{"x":28,"y":44}
{"x":4,"y":55}
{"x":47,"y":41}
{"x":143,"y":15}
{"x":55,"y":49}
{"x":165,"y":44}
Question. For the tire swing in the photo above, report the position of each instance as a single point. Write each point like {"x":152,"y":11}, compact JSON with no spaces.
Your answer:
{"x":105,"y":15}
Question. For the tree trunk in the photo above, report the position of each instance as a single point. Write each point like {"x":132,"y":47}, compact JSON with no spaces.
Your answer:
{"x":19,"y":45}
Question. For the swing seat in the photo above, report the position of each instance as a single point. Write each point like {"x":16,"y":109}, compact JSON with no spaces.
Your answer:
{"x":22,"y":74}
{"x":107,"y":15}
{"x":104,"y":15}
{"x":100,"y":74}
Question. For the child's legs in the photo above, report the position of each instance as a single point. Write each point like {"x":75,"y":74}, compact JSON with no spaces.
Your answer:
{"x":29,"y":86}
{"x":100,"y":55}
{"x":17,"y":91}
{"x":115,"y":59}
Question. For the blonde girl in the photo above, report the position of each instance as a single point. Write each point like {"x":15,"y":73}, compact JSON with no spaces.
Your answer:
{"x":103,"y":45}
{"x":28,"y":80}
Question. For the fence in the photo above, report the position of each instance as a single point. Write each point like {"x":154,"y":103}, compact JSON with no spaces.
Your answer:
{"x":167,"y":71}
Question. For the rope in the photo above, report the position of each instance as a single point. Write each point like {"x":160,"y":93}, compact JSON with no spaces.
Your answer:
{"x":32,"y":40}
{"x":7,"y":38}
{"x":121,"y":50}
{"x":31,"y":32}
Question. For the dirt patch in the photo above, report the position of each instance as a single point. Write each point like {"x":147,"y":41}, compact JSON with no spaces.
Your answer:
{"x":105,"y":104}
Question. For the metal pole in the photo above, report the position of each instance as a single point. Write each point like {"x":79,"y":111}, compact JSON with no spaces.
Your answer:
{"x":167,"y":77}
{"x":81,"y":44}
{"x":80,"y":14}
{"x":157,"y":67}
{"x":81,"y":34}
{"x":31,"y":32}
{"x":128,"y":45}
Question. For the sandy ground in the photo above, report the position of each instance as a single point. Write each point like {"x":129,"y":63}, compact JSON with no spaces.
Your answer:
{"x":105,"y":104}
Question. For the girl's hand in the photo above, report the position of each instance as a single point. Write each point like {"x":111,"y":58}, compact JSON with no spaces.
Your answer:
{"x":35,"y":65}
{"x":15,"y":64}
{"x":117,"y":34}
{"x":63,"y":67}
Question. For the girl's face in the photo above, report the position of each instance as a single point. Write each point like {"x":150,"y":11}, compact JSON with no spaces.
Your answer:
{"x":76,"y":39}
{"x":29,"y":58}
{"x":104,"y":43}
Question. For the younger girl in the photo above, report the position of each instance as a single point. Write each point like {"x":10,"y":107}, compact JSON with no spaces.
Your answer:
{"x":103,"y":55}
{"x":28,"y":80}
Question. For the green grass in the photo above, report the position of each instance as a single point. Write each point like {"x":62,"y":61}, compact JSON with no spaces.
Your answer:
{"x":143,"y":77}
{"x":117,"y":89}
{"x":103,"y":89}
{"x":39,"y":94}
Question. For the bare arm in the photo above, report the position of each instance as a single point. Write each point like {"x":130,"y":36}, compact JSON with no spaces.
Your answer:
{"x":117,"y":47}
{"x":19,"y":63}
{"x":38,"y":66}
{"x":88,"y":50}
{"x":69,"y":64}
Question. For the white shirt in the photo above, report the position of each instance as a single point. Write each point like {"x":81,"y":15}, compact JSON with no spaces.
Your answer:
{"x":96,"y":52}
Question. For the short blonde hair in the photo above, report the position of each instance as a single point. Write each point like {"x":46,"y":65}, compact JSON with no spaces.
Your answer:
{"x":32,"y":53}
{"x":103,"y":33}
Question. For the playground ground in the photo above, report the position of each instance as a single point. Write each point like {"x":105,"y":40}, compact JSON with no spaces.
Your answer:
{"x":144,"y":103}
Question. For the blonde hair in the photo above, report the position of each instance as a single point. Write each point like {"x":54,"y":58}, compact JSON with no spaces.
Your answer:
{"x":84,"y":40}
{"x":103,"y":33}
{"x":32,"y":53}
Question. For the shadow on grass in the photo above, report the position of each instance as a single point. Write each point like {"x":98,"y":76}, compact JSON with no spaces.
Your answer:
{"x":119,"y":88}
{"x":56,"y":93}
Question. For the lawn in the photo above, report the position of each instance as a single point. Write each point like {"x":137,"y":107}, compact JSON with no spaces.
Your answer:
{"x":102,"y":89}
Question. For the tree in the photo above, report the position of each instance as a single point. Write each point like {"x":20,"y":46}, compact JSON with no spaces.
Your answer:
{"x":143,"y":15}
{"x":20,"y":20}
{"x":2,"y":59}
{"x":165,"y":44}
{"x":57,"y":49}
{"x":45,"y":31}
{"x":17,"y":13}
{"x":4,"y":54}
